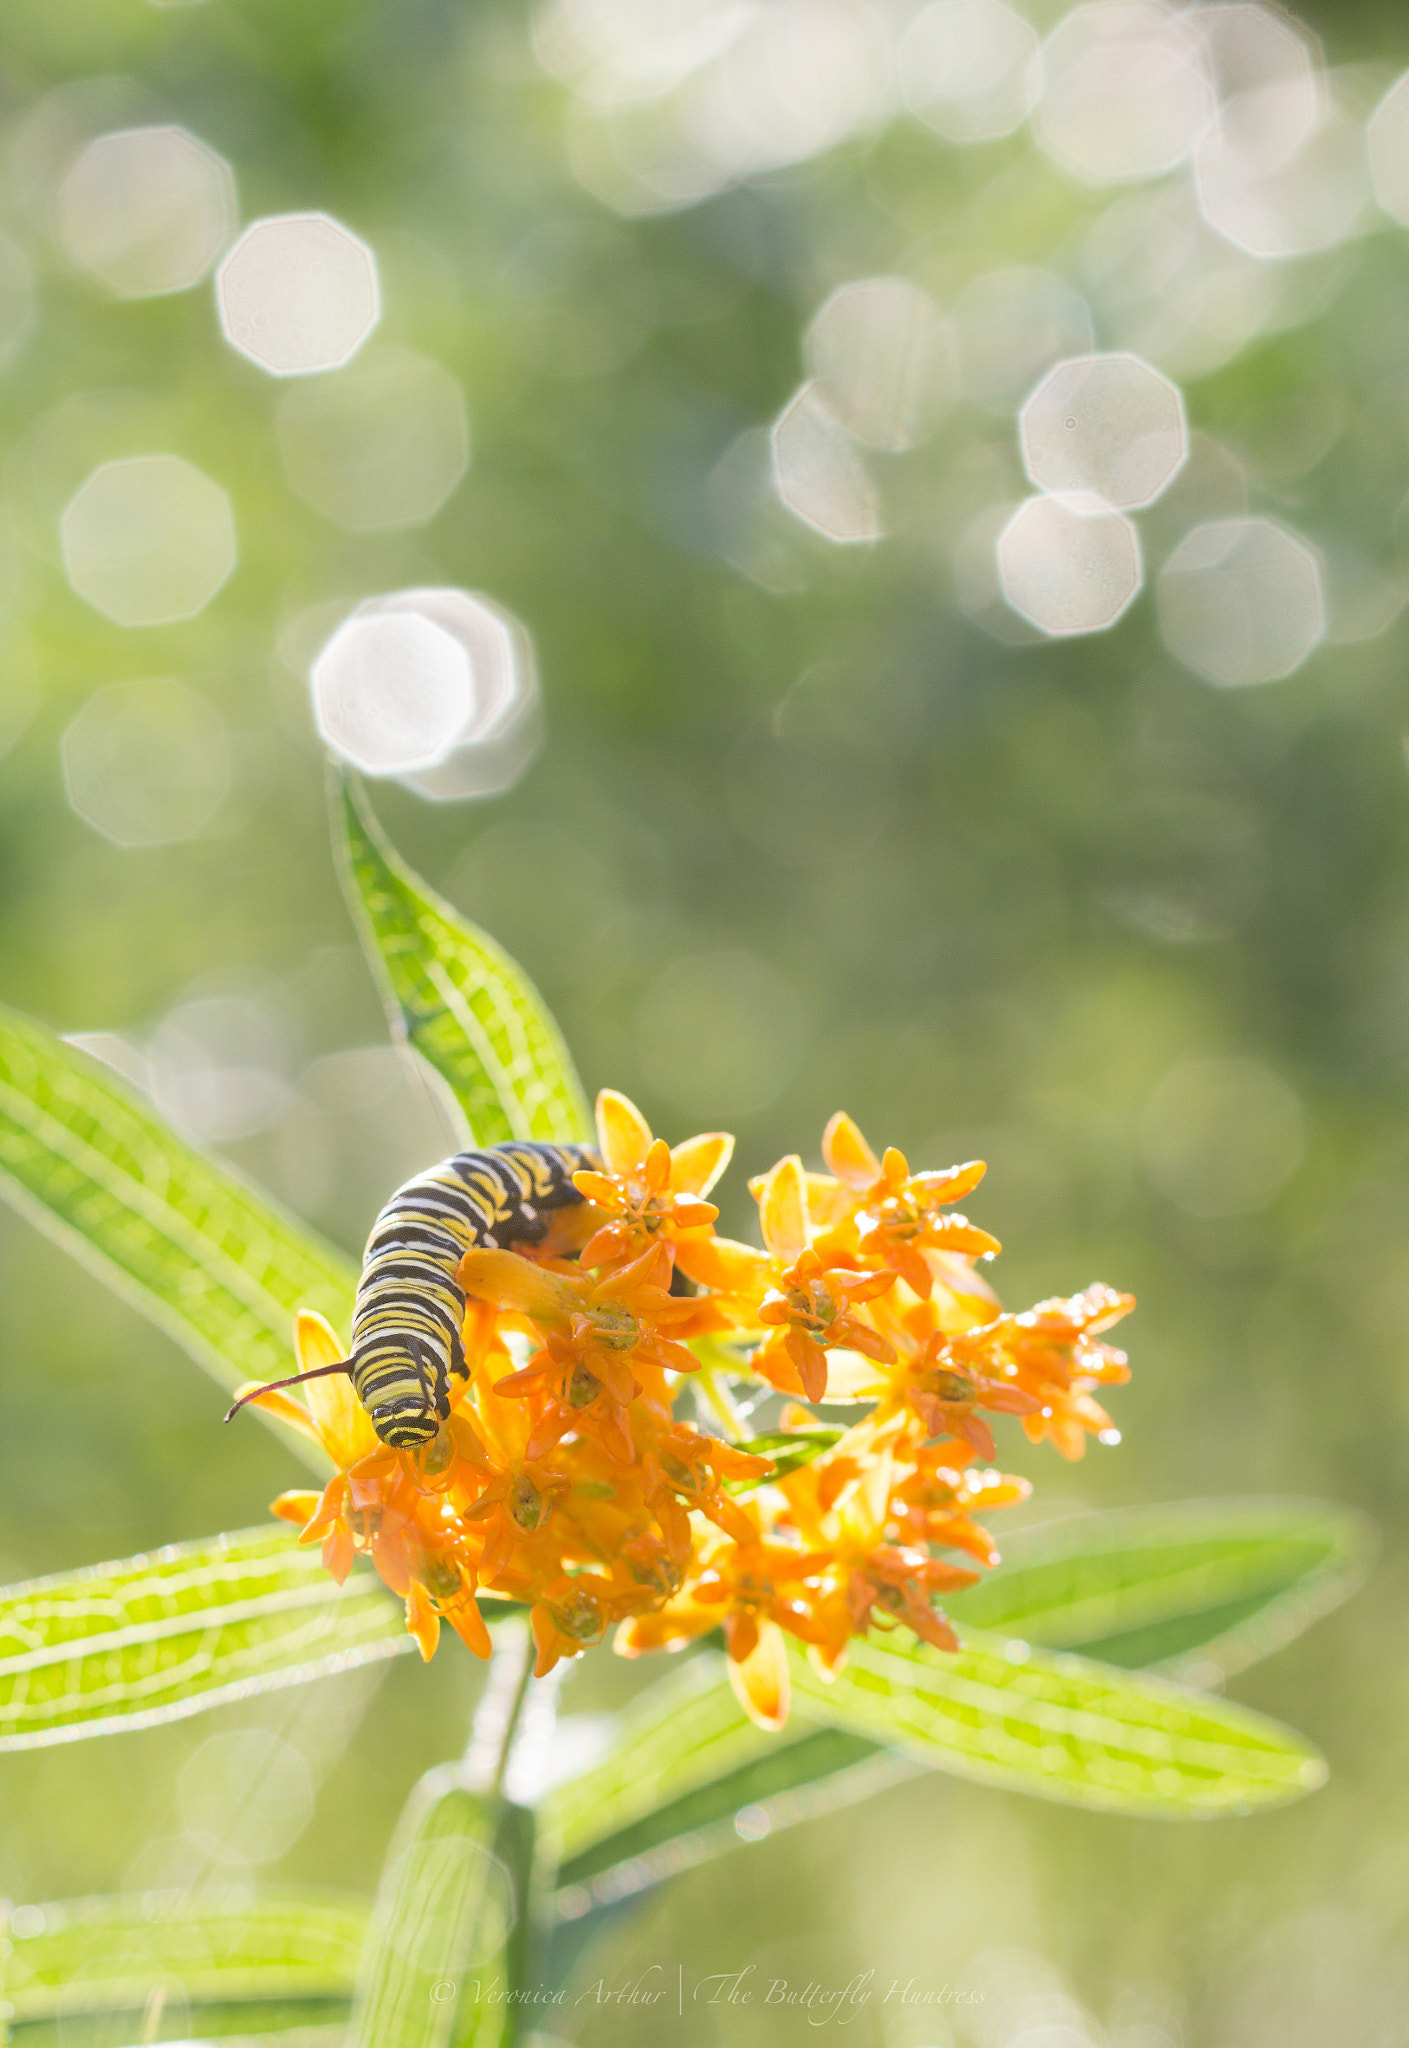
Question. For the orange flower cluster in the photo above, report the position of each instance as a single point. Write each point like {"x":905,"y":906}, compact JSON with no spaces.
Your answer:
{"x":566,"y":1480}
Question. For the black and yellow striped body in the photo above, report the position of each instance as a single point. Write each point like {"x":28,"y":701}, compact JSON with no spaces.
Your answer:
{"x":406,"y":1325}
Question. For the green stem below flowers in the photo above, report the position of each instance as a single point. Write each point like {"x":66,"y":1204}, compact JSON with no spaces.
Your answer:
{"x":516,"y":1707}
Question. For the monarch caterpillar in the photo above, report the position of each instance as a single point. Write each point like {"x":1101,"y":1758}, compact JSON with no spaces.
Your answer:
{"x":409,"y":1309}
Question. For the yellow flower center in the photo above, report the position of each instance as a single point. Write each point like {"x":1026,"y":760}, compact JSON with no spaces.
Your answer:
{"x":682,"y":1477}
{"x":948,"y":1386}
{"x":527,"y":1505}
{"x":583,"y":1388}
{"x":443,"y":1581}
{"x":616,"y":1328}
{"x":813,"y":1305}
{"x":578,"y":1617}
{"x":661,"y":1573}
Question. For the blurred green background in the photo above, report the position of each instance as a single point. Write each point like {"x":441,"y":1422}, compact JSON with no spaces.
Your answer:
{"x":813,"y":826}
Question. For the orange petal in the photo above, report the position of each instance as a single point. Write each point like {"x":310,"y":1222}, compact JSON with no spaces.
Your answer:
{"x":596,"y":1187}
{"x":857,"y":1336}
{"x":545,"y":1637}
{"x":422,"y":1621}
{"x":622,"y":1133}
{"x":721,"y":1263}
{"x":316,"y":1341}
{"x":895,"y":1167}
{"x":517,"y":1284}
{"x":773,"y":1363}
{"x":331,"y":1509}
{"x":468,"y":1624}
{"x":341,"y":1420}
{"x":760,"y":1679}
{"x":953,"y":1184}
{"x":274,"y":1401}
{"x":782,"y":1208}
{"x":847,"y":1153}
{"x":850,"y":1377}
{"x":957,"y":1234}
{"x":651,"y":1269}
{"x":697,"y":1164}
{"x":298,"y":1505}
{"x":339,"y":1551}
{"x":811,"y":1362}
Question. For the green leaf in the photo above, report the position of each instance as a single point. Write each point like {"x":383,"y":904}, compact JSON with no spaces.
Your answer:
{"x":436,"y":1963}
{"x":458,"y":998}
{"x":685,"y":1731}
{"x":88,"y":1956}
{"x":213,"y":1263}
{"x":790,"y":1450}
{"x":685,"y":1761}
{"x":1063,"y":1728}
{"x":1200,"y":1589}
{"x":155,"y":1638}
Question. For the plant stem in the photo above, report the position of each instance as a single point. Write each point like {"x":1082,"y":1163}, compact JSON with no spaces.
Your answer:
{"x":515,"y":1713}
{"x":717,"y":1395}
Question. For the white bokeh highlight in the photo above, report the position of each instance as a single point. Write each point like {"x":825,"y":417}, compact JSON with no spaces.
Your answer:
{"x":801,"y":77}
{"x":436,"y":687}
{"x":378,"y":445}
{"x":675,"y":102}
{"x":1109,"y":430}
{"x":1267,"y":74}
{"x":503,"y":729}
{"x":884,"y":359}
{"x":1241,"y":601}
{"x":969,"y":69}
{"x":146,"y":210}
{"x":819,"y":473}
{"x":1126,"y":91}
{"x":148,"y":540}
{"x":1068,"y":571}
{"x":617,"y":52}
{"x":146,"y":763}
{"x":391,"y":694}
{"x":298,"y":293}
{"x":1276,"y":201}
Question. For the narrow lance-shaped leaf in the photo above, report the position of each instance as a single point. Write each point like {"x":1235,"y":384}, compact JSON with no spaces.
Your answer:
{"x":1199,"y":1588}
{"x":435,"y":1970}
{"x":280,"y":1944}
{"x":685,"y":1731}
{"x":1063,"y":1728}
{"x":217,"y":1266}
{"x":156,"y":1638}
{"x":458,"y":998}
{"x":711,"y":1780}
{"x":789,"y":1449}
{"x":684,"y":1761}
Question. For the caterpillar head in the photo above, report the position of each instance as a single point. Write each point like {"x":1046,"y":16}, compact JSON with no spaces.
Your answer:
{"x":398,"y":1390}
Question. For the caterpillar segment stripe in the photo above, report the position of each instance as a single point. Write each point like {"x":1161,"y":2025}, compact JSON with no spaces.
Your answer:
{"x":409,"y":1312}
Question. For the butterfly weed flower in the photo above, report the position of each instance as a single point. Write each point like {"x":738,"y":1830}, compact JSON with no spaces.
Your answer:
{"x":573,"y":1472}
{"x":647,"y":1191}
